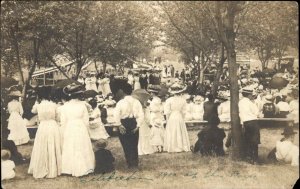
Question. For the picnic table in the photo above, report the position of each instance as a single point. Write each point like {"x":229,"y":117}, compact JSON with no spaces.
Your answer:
{"x":112,"y":127}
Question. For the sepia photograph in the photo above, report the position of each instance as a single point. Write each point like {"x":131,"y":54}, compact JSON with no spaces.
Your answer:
{"x":149,"y":94}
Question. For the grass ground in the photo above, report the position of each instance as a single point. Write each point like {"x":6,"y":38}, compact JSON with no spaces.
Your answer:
{"x":174,"y":170}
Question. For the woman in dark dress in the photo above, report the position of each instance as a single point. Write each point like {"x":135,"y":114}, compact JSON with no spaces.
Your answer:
{"x":210,"y":139}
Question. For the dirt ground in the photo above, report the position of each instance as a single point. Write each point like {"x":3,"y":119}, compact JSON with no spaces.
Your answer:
{"x":174,"y":170}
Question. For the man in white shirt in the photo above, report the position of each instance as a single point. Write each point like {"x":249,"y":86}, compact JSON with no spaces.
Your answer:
{"x":249,"y":113}
{"x":129,"y":115}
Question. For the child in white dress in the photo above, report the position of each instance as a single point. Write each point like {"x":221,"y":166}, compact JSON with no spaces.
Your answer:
{"x":156,"y":121}
{"x":7,"y":166}
{"x":16,"y":124}
{"x":157,"y":134}
{"x":96,"y":128}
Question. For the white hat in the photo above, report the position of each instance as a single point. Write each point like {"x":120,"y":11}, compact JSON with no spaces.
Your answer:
{"x":244,"y":80}
{"x":15,"y":93}
{"x":269,"y":97}
{"x":247,"y":89}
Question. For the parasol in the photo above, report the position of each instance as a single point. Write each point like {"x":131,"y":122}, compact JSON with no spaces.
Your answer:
{"x":278,"y":83}
{"x":90,"y":93}
{"x":142,"y":95}
{"x":7,"y":82}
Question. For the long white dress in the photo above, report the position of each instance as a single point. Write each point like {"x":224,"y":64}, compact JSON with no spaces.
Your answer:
{"x":106,"y":86}
{"x":78,"y":158}
{"x":144,"y":146}
{"x":224,"y":111}
{"x":46,"y":153}
{"x":100,"y":85}
{"x":176,"y":136}
{"x":90,"y":83}
{"x":96,"y":128}
{"x":16,"y":124}
{"x":137,"y":84}
{"x":130,"y":79}
{"x":156,"y":120}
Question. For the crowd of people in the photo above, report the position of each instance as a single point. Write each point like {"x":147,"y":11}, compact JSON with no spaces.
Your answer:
{"x":71,"y":137}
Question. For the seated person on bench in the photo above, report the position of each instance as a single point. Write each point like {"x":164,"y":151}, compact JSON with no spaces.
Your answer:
{"x":210,"y":139}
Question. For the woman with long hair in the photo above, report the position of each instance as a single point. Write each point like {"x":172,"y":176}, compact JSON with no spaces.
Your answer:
{"x":46,"y":153}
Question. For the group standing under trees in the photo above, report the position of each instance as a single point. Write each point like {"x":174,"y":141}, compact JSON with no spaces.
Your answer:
{"x":113,"y":32}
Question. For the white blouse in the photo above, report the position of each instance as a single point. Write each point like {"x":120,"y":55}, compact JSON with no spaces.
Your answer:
{"x":129,"y":107}
{"x":288,"y":152}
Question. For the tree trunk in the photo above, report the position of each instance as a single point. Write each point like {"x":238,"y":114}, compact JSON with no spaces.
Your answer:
{"x":202,"y":68}
{"x":96,"y":68}
{"x":278,"y":63}
{"x":234,"y":109}
{"x":26,"y":85}
{"x":219,"y":73}
{"x":16,"y":45}
{"x":201,"y":79}
{"x":104,"y":67}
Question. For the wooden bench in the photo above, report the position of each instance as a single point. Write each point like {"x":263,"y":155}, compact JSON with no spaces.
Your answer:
{"x":275,"y":122}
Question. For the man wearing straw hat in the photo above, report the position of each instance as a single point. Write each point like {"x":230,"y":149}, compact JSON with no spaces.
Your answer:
{"x":248,"y":113}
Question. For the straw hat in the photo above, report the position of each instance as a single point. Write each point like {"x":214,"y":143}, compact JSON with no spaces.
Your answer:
{"x":269,"y":98}
{"x":248,"y":90}
{"x":5,"y":154}
{"x":101,"y":143}
{"x":15,"y":93}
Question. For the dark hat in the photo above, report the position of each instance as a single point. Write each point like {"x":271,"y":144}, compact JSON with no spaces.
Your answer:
{"x":73,"y":90}
{"x":126,"y":88}
{"x":101,"y":143}
{"x":288,"y":131}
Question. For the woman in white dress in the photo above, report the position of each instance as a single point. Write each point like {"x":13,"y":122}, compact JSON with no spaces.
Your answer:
{"x":144,"y":146}
{"x":137,"y":84}
{"x":104,"y":82}
{"x":130,"y":78}
{"x":100,"y":83}
{"x":189,"y":109}
{"x":77,"y":155}
{"x":93,"y":83}
{"x":176,"y":136}
{"x":198,"y":109}
{"x":16,"y":124}
{"x":46,"y":153}
{"x":224,"y":110}
{"x":96,"y":128}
